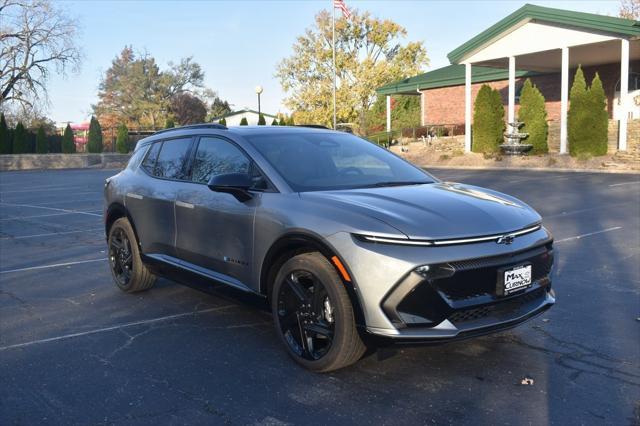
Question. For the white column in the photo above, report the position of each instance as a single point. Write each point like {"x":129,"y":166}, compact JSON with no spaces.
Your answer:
{"x":388,"y":113}
{"x":512,"y":89}
{"x":564,"y":99}
{"x":467,"y":107}
{"x":624,"y":94}
{"x":422,"y":109}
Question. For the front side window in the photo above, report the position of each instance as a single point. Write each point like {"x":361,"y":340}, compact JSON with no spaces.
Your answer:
{"x":172,"y":158}
{"x":216,"y":157}
{"x":326,"y":161}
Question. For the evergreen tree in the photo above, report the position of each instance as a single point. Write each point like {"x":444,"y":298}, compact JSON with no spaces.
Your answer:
{"x":261,"y":120}
{"x":169,"y":124}
{"x":122,"y":140}
{"x":274,"y":122}
{"x":291,"y":121}
{"x":244,"y":121}
{"x":222,"y":121}
{"x":577,"y":117}
{"x":534,"y":116}
{"x":41,"y":141}
{"x":19,"y":139}
{"x":94,"y":144}
{"x":283,"y":120}
{"x":5,"y":136}
{"x":488,"y":121}
{"x":68,"y":145}
{"x":597,"y":102}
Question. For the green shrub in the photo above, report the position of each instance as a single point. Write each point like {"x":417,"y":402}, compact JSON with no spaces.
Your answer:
{"x":283,"y":120}
{"x":588,"y":119}
{"x":5,"y":136}
{"x":68,"y":145}
{"x":20,"y":139}
{"x":94,"y":144}
{"x":41,"y":141}
{"x":488,"y":121}
{"x":222,"y":121}
{"x":169,"y":124}
{"x":291,"y":121}
{"x":244,"y":121}
{"x":54,"y":142}
{"x":597,"y":102}
{"x":122,"y":139}
{"x":274,"y":122}
{"x":261,"y":120}
{"x":534,"y":116}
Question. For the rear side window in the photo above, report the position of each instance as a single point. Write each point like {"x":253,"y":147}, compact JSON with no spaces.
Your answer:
{"x":172,"y":158}
{"x":135,"y":159}
{"x":149,"y":162}
{"x":216,"y":157}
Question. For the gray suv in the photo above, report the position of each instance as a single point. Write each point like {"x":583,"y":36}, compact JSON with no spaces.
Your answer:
{"x":351,"y":245}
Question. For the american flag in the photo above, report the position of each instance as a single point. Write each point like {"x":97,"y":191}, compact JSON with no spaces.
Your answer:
{"x":339,"y":4}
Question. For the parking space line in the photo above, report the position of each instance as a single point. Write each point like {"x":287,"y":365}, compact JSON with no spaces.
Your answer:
{"x":48,"y":215}
{"x":49,"y":208}
{"x":55,"y":265}
{"x":49,"y":234}
{"x":577,"y":237}
{"x":114,"y":327}
{"x":44,"y":189}
{"x":625,"y":183}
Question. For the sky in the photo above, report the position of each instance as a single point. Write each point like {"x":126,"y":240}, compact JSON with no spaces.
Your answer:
{"x":239,"y":43}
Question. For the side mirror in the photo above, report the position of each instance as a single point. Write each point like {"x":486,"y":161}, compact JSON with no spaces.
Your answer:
{"x":236,"y":184}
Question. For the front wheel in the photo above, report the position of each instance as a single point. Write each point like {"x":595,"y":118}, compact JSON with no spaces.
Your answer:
{"x":313,"y":314}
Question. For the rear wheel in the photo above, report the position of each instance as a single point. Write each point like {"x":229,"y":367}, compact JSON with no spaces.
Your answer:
{"x":127,"y":269}
{"x":313,"y":314}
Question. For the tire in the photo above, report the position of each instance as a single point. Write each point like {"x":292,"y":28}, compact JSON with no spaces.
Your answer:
{"x":130,"y":275}
{"x":318,"y":318}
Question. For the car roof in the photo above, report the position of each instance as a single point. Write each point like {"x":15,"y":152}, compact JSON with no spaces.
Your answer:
{"x":216,"y":129}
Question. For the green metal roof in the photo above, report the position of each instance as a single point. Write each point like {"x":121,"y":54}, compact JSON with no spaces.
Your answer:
{"x":580,"y":20}
{"x":451,"y":75}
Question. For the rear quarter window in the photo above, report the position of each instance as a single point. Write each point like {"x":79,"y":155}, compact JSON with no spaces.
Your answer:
{"x":149,"y":162}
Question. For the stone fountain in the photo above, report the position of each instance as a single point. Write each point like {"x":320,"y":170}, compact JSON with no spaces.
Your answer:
{"x":513,"y":140}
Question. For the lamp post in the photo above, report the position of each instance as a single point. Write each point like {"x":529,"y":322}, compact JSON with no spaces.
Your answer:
{"x":258,"y":92}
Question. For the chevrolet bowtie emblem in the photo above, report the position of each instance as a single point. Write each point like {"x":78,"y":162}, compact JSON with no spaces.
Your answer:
{"x":506,"y":239}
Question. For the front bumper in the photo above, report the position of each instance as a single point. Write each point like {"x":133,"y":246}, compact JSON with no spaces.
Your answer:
{"x":460,"y":299}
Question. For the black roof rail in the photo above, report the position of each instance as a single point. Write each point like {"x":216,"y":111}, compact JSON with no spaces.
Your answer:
{"x":194,"y":126}
{"x":312,"y":126}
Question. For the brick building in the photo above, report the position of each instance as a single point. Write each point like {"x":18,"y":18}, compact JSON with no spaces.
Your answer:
{"x":545,"y":45}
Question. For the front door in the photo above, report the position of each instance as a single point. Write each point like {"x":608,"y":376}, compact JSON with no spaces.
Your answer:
{"x":214,"y":229}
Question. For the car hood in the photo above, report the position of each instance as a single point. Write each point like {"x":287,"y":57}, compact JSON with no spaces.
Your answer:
{"x":435,"y":211}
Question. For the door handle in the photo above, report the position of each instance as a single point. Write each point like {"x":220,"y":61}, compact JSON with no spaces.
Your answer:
{"x":185,"y":205}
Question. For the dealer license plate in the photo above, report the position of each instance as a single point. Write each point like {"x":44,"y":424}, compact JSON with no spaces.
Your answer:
{"x":515,"y":279}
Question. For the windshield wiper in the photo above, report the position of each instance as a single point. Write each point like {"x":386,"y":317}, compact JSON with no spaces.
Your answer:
{"x":395,"y":183}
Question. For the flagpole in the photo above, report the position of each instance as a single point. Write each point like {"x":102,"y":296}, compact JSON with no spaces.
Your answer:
{"x":333,"y":26}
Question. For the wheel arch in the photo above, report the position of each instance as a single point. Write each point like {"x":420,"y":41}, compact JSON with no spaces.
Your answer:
{"x":299,"y":242}
{"x":115,"y":212}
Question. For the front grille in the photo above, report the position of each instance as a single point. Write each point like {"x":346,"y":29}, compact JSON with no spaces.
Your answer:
{"x":506,"y":308}
{"x":478,"y":277}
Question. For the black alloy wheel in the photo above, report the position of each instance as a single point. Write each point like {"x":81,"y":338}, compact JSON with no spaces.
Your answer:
{"x":121,"y":257}
{"x":306,"y":315}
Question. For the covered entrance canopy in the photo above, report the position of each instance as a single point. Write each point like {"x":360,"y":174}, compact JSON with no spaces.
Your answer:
{"x":537,"y":39}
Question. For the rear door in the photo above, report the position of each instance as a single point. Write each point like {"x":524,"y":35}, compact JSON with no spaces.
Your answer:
{"x":151,"y":202}
{"x":214,"y":229}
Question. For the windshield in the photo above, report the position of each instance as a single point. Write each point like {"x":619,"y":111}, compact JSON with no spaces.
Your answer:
{"x":324,"y":161}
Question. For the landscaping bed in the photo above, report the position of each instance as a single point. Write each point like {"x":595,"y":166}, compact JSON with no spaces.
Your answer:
{"x":430,"y":156}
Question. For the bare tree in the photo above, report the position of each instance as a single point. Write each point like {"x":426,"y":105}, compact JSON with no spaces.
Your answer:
{"x":36,"y":39}
{"x":630,"y":9}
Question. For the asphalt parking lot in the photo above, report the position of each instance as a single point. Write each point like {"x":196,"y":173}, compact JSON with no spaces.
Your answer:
{"x":75,"y":350}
